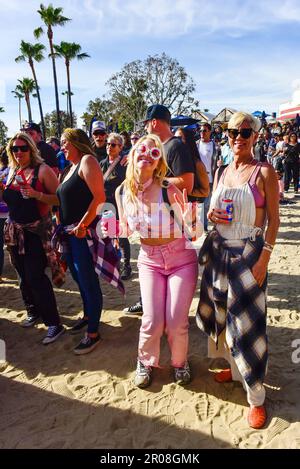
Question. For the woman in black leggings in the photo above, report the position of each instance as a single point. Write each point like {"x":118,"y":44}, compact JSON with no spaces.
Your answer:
{"x":29,"y":192}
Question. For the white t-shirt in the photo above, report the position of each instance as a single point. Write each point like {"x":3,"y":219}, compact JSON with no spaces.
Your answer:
{"x":206,"y":150}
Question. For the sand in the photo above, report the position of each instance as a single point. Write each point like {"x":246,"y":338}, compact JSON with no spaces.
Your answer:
{"x":51,"y":398}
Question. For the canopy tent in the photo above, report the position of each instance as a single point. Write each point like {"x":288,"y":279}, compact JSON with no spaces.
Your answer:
{"x":288,"y":113}
{"x":224,"y":115}
{"x":203,"y":116}
{"x":179,"y":121}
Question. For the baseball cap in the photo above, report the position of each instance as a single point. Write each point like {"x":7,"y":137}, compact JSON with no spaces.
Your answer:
{"x":157,"y":111}
{"x":98,"y":125}
{"x":32,"y":126}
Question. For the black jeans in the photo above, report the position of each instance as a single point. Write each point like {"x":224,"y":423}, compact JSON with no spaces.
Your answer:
{"x":2,"y":221}
{"x":125,"y":248}
{"x":35,"y":286}
{"x":291,"y":170}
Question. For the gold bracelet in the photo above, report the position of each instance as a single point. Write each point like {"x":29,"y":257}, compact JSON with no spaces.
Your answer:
{"x":267,"y":249}
{"x":268,"y":245}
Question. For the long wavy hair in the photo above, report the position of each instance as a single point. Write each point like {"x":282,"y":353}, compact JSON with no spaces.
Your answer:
{"x":35,"y":157}
{"x":79,"y":139}
{"x":159,"y":174}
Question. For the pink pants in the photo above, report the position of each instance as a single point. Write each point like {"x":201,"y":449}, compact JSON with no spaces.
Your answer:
{"x":168,"y":276}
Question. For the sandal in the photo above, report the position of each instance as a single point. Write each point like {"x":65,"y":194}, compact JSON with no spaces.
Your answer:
{"x":257,"y":417}
{"x":223,"y":376}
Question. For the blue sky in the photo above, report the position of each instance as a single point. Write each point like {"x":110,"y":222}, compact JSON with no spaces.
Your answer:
{"x":241,"y":54}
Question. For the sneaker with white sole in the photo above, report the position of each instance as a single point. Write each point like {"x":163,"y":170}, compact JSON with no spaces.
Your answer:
{"x":79,"y":325}
{"x":54,"y":332}
{"x":29,"y":321}
{"x":134,"y":309}
{"x":142,"y":375}
{"x":182,"y":375}
{"x":87,"y":344}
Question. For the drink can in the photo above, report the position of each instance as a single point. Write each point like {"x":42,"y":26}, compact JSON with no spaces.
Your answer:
{"x":227,"y":205}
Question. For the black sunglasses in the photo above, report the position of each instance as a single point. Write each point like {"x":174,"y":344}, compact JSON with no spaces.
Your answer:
{"x":113,"y":145}
{"x":99,"y":132}
{"x":244,"y":133}
{"x":204,"y":130}
{"x":22,"y":148}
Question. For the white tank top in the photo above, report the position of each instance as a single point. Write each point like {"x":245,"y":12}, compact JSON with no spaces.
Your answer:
{"x":153,"y":222}
{"x":244,"y":210}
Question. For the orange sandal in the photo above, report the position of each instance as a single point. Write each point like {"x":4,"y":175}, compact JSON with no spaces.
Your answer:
{"x":223,"y":376}
{"x":257,"y":417}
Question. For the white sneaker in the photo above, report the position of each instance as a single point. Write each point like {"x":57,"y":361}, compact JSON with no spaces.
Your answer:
{"x":142,"y":375}
{"x":182,"y":375}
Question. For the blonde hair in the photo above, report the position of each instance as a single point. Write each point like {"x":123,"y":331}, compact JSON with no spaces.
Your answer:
{"x":35,"y":157}
{"x":79,"y":139}
{"x":116,"y":136}
{"x":159,"y":174}
{"x":239,"y":117}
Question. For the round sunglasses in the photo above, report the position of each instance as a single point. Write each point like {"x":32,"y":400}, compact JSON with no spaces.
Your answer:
{"x":154,"y":152}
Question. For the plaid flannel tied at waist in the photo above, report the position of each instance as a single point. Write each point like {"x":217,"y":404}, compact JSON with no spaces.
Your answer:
{"x":230,"y":297}
{"x":14,"y":237}
{"x":103,"y":252}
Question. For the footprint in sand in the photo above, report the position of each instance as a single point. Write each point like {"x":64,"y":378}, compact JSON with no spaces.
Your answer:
{"x":279,"y":426}
{"x":60,"y":387}
{"x":41,"y":383}
{"x":206,"y":409}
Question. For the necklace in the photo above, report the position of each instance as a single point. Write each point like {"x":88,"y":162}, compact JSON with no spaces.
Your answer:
{"x":141,"y":187}
{"x":245,"y":166}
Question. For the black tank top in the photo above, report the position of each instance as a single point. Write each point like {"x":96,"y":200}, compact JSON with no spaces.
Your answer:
{"x":75,"y":197}
{"x":21,"y":210}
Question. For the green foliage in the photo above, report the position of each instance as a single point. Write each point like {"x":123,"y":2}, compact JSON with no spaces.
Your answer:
{"x":51,"y":122}
{"x":3,"y":133}
{"x":100,"y":108}
{"x":157,"y":79}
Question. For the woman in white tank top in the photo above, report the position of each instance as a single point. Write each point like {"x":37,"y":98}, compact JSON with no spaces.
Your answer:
{"x":167,"y":262}
{"x":232,"y":306}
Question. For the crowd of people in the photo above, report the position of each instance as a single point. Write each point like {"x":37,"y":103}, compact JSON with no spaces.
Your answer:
{"x":73,"y":203}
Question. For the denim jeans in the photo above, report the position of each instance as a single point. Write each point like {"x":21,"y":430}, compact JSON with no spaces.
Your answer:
{"x":2,"y":221}
{"x":80,"y":263}
{"x":168,"y":276}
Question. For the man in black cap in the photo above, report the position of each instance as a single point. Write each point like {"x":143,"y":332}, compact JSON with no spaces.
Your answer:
{"x":46,"y":151}
{"x":181,"y":167}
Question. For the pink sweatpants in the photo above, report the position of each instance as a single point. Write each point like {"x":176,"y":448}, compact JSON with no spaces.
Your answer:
{"x":168,"y":276}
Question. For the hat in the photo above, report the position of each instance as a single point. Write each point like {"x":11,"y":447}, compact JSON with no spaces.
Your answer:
{"x":98,"y":125}
{"x":32,"y":126}
{"x":157,"y":111}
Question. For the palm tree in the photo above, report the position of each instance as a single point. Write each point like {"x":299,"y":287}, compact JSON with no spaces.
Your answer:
{"x":66,"y":93}
{"x":31,"y":53}
{"x":52,"y":17}
{"x":2,"y":109}
{"x":69,"y":51}
{"x":27,"y":87}
{"x":20,"y":96}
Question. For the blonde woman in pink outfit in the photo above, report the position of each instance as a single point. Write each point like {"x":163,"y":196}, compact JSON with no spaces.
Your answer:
{"x":167,"y":261}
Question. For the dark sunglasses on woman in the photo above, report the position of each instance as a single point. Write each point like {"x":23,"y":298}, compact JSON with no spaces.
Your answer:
{"x":113,"y":145}
{"x":22,"y":148}
{"x":244,"y":133}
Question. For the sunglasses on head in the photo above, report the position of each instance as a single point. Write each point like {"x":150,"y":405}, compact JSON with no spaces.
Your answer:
{"x":99,"y":132}
{"x":22,"y":148}
{"x":244,"y":133}
{"x":110,"y":144}
{"x":154,"y":152}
